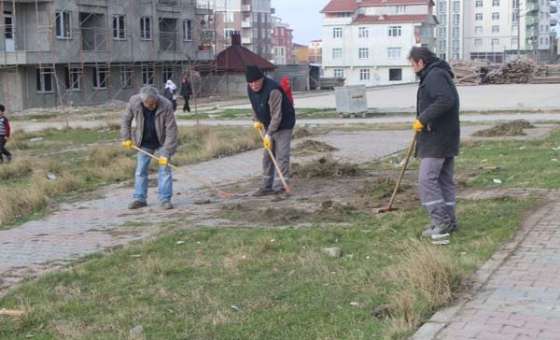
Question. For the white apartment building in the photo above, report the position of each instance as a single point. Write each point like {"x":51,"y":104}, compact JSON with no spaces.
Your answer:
{"x":449,"y":31}
{"x":367,"y":41}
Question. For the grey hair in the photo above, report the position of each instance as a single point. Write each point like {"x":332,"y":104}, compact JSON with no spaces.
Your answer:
{"x":148,"y":92}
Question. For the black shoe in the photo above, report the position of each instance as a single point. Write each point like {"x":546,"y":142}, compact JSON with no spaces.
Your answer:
{"x":137,"y":205}
{"x":263,"y":192}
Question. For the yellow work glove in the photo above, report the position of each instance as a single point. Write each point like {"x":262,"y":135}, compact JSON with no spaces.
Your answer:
{"x":418,"y":126}
{"x":127,"y":144}
{"x":163,"y":161}
{"x":267,"y":142}
{"x":259,"y":126}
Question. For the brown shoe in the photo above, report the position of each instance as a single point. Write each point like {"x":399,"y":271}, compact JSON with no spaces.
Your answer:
{"x":137,"y":205}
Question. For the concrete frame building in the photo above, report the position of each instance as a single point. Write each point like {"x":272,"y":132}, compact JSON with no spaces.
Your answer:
{"x":367,"y":41}
{"x":449,"y":31}
{"x":73,"y":52}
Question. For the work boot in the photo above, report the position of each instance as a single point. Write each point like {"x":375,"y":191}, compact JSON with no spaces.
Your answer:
{"x":438,"y":231}
{"x":263,"y":192}
{"x":166,"y":205}
{"x":137,"y":205}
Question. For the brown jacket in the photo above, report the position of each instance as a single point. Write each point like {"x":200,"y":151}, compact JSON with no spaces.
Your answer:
{"x":166,"y":125}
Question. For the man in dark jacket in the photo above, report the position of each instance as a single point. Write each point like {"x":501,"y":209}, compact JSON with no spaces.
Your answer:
{"x":437,"y":132}
{"x":186,"y":92}
{"x":274,"y":113}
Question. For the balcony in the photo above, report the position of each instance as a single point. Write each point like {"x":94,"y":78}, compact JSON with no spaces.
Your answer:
{"x":246,"y":40}
{"x":246,"y":24}
{"x":246,"y":8}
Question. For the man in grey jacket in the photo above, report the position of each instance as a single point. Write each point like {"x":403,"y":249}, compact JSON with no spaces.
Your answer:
{"x":156,"y":132}
{"x":437,"y":132}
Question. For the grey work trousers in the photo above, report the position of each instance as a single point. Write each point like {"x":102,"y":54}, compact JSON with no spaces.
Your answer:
{"x":437,"y":189}
{"x":281,"y":142}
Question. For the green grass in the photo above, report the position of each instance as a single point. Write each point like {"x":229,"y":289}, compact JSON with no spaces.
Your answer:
{"x":247,"y":113}
{"x":532,"y":164}
{"x":254,"y":283}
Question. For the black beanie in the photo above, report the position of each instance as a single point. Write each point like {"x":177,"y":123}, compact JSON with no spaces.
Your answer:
{"x":253,"y":73}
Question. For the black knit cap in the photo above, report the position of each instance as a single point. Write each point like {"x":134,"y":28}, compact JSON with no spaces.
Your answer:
{"x":253,"y":73}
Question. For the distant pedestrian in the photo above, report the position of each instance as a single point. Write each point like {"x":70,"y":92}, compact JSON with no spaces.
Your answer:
{"x":170,"y":93}
{"x":186,"y":93}
{"x":438,"y":131}
{"x":5,"y":131}
{"x":156,"y":133}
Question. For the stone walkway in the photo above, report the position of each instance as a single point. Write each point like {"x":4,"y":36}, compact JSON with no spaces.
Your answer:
{"x":517,"y":293}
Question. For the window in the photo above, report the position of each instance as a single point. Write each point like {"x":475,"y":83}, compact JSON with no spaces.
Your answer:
{"x":100,"y":77}
{"x":187,"y":30}
{"x":478,"y":30}
{"x":395,"y":74}
{"x":363,"y":53}
{"x":456,"y":19}
{"x":63,"y":25}
{"x":442,"y":7}
{"x":393,"y":52}
{"x":401,"y":9}
{"x":118,"y":27}
{"x":479,"y":3}
{"x":126,"y":77}
{"x":395,"y":31}
{"x":72,"y":78}
{"x":45,"y":79}
{"x":337,"y":53}
{"x":478,"y":16}
{"x":442,"y":45}
{"x":456,"y":45}
{"x":495,"y":42}
{"x":166,"y":74}
{"x":456,"y":6}
{"x":441,"y":32}
{"x":456,"y":33}
{"x":363,"y":32}
{"x":442,"y":18}
{"x":495,"y":3}
{"x":147,"y":75}
{"x":514,"y":42}
{"x":337,"y":32}
{"x":146,"y":28}
{"x":339,"y":73}
{"x":514,"y":17}
{"x":496,"y":29}
{"x":364,"y":74}
{"x":496,"y":16}
{"x":477,"y":42}
{"x":229,"y":17}
{"x":228,"y":32}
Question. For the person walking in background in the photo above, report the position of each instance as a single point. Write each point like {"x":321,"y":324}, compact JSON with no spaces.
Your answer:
{"x":170,"y":93}
{"x":5,"y":131}
{"x":186,"y":93}
{"x":437,"y":134}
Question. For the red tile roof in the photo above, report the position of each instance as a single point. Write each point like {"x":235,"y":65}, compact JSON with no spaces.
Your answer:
{"x":351,"y":5}
{"x":236,"y":57}
{"x":392,"y":19}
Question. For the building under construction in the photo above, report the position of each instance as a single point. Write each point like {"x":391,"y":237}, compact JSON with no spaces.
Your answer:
{"x":86,"y":52}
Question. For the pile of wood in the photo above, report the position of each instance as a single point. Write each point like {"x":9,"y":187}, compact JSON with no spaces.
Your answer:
{"x":515,"y":72}
{"x":467,"y":73}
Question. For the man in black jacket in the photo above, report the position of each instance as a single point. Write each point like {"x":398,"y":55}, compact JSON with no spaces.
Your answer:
{"x":438,"y":132}
{"x":274,"y":113}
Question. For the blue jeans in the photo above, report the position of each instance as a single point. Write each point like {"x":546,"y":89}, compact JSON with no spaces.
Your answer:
{"x":165,"y":180}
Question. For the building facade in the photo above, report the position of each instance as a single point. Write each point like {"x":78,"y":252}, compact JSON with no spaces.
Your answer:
{"x":282,"y":42}
{"x":252,"y":18}
{"x":77,"y":53}
{"x":367,"y":42}
{"x":449,"y":31}
{"x":316,"y":52}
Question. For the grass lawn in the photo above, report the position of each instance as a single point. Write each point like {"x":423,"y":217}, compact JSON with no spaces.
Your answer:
{"x":257,"y":283}
{"x":246,"y":113}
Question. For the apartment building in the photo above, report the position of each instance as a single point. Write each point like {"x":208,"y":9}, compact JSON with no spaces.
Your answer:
{"x":449,"y":31}
{"x":282,"y":42}
{"x":252,"y":18}
{"x":367,"y":41}
{"x":77,"y":52}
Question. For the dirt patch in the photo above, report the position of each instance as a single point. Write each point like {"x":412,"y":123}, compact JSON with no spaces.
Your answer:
{"x":301,"y":133}
{"x":265,"y":216}
{"x":312,"y":147}
{"x":513,"y":128}
{"x":325,"y":167}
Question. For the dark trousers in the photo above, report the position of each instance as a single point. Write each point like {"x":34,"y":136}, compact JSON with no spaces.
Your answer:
{"x":186,"y":107}
{"x":3,"y":150}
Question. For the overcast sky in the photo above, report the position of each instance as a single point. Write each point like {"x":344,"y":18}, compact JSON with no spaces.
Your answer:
{"x":303,"y":16}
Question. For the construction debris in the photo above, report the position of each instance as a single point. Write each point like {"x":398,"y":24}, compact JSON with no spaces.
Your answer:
{"x":513,"y":128}
{"x":325,"y":167}
{"x":515,"y":72}
{"x":311,"y":147}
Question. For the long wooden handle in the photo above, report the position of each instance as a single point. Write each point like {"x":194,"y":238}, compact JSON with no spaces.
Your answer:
{"x":11,"y":312}
{"x":278,"y":171}
{"x":403,"y":170}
